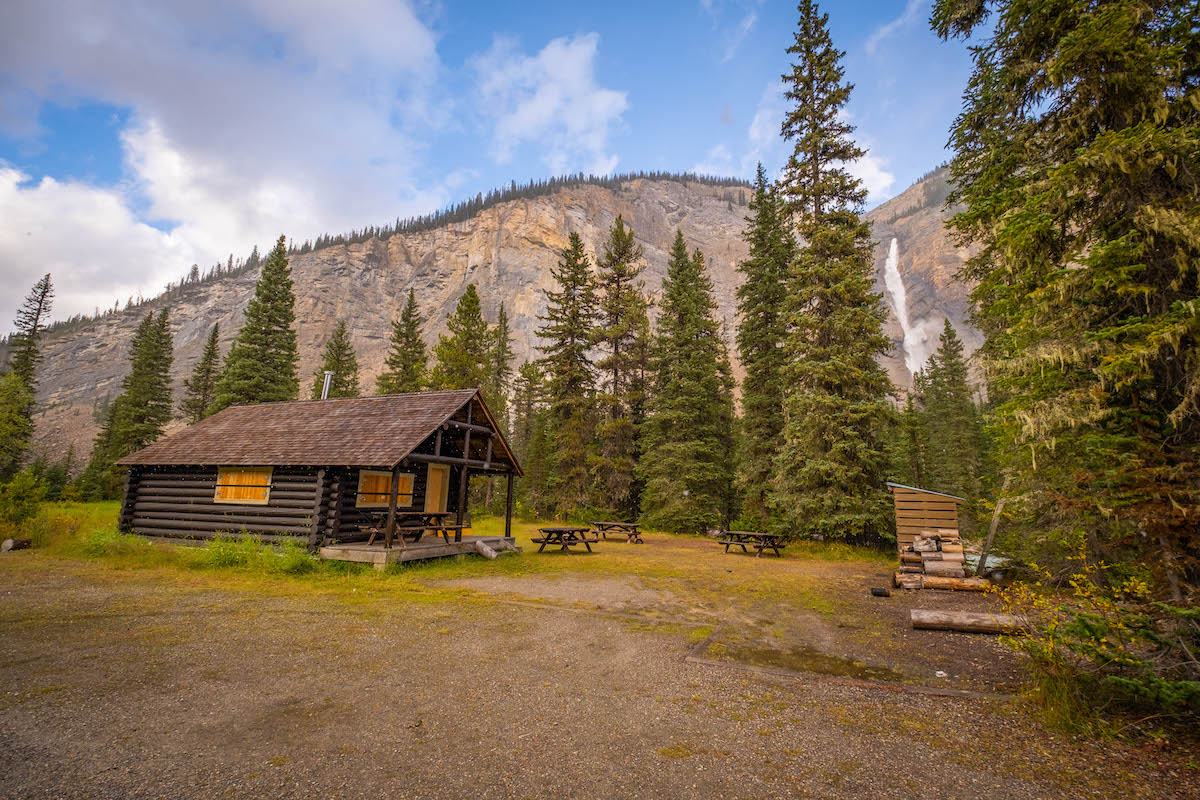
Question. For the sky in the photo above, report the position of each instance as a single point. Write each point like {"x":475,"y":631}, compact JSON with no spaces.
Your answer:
{"x":139,"y":137}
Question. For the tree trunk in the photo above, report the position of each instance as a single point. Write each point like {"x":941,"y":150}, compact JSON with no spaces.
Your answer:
{"x":965,"y":622}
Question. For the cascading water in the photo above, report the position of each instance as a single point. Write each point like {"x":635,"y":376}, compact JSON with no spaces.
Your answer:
{"x":895,"y":286}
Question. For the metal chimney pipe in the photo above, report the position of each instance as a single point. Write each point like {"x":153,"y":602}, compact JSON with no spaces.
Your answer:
{"x":325,"y":388}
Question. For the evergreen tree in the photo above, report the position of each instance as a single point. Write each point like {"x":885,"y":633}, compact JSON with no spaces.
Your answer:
{"x":762,"y":303}
{"x":407,"y":362}
{"x":909,"y":448}
{"x":261,"y":365}
{"x":688,"y":447}
{"x":830,"y":473}
{"x":16,"y":426}
{"x":338,"y":358}
{"x":570,"y":375}
{"x":200,"y":388}
{"x":462,"y":357}
{"x":527,"y":409}
{"x":100,"y":479}
{"x":622,"y":310}
{"x":500,"y":357}
{"x":953,"y":435}
{"x":31,"y":321}
{"x":1077,"y":163}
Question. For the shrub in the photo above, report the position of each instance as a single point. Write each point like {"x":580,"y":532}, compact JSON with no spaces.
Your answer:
{"x":21,"y":497}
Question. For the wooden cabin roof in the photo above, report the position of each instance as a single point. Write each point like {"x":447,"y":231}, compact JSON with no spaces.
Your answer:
{"x":894,"y":486}
{"x":375,"y":432}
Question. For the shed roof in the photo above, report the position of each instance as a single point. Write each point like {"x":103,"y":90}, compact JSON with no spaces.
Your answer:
{"x":351,"y":431}
{"x":924,"y":491}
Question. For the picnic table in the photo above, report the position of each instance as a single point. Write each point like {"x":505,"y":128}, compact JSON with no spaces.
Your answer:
{"x":565,"y":538}
{"x":759,"y":541}
{"x":628,"y":529}
{"x":412,"y":525}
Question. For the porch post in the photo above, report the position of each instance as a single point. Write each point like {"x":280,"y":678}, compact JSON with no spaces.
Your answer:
{"x":508,"y":504}
{"x":462,"y":483}
{"x":391,"y":518}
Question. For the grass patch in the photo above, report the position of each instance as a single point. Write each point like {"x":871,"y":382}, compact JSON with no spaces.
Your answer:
{"x":674,"y":751}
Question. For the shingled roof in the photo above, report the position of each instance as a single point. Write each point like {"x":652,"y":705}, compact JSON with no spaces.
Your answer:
{"x":375,"y":432}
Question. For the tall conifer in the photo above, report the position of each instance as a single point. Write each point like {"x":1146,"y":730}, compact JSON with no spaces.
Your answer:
{"x":831,"y":471}
{"x":952,"y":435}
{"x":688,"y":447}
{"x":499,"y":373}
{"x":338,"y":358}
{"x":567,"y":335}
{"x":762,"y":304}
{"x":462,"y":356}
{"x":200,"y":389}
{"x":31,"y":321}
{"x":261,"y":365}
{"x":407,"y":361}
{"x":622,"y":310}
{"x":16,"y":426}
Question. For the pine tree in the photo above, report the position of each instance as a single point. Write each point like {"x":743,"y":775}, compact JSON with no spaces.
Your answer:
{"x":407,"y":362}
{"x":1077,"y":162}
{"x":909,"y":448}
{"x":688,"y":447}
{"x":16,"y":426}
{"x":261,"y":365}
{"x":762,"y":303}
{"x":462,"y":357}
{"x":31,"y":321}
{"x":340,"y":359}
{"x":200,"y":388}
{"x":500,"y":358}
{"x":830,"y":473}
{"x":622,"y":310}
{"x":527,"y":407}
{"x":953,"y":435}
{"x":570,"y":375}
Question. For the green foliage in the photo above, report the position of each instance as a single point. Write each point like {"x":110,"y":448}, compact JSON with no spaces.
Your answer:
{"x":909,"y":446}
{"x":762,"y":307}
{"x":952,"y":455}
{"x":55,"y":475}
{"x":261,"y":365}
{"x":567,"y":335}
{"x":1077,"y":161}
{"x":30,"y":324}
{"x":406,"y":366}
{"x":16,"y":422}
{"x":687,"y":465}
{"x":200,"y":389}
{"x":830,"y":473}
{"x":622,"y":326}
{"x":462,"y":356}
{"x":21,"y":497}
{"x":338,"y":358}
{"x":499,"y":372}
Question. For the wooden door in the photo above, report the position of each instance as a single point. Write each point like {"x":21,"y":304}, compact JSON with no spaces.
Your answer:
{"x":437,"y":487}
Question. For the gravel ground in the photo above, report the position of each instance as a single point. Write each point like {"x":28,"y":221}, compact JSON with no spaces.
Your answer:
{"x":161,"y":685}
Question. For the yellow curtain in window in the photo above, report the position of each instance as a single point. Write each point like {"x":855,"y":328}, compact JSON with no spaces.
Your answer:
{"x":243,"y":485}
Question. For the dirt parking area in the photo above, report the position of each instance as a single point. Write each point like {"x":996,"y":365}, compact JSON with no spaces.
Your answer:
{"x":546,"y":676}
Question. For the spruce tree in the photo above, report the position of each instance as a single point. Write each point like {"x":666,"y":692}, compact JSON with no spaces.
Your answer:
{"x":688,"y":448}
{"x":953,"y":435}
{"x":338,"y":358}
{"x":32,"y":317}
{"x":567,"y":335}
{"x":100,"y":479}
{"x":200,"y":388}
{"x":622,"y":309}
{"x":462,"y":356}
{"x":407,"y":362}
{"x":762,"y":304}
{"x":16,"y":426}
{"x":1077,"y":167}
{"x":499,"y":374}
{"x":261,"y":365}
{"x":831,"y":472}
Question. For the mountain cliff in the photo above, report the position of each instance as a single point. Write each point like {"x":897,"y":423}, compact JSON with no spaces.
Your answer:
{"x":507,"y":251}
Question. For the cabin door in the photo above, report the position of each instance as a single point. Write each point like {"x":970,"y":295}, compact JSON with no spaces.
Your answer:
{"x":437,"y":487}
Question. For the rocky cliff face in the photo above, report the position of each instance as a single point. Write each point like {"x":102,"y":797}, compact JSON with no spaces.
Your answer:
{"x":507,"y":252}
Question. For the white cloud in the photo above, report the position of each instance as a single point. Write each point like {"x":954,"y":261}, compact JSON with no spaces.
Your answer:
{"x":872,"y":171}
{"x":550,"y":100}
{"x":717,"y":161}
{"x":738,"y":34}
{"x":908,"y":17}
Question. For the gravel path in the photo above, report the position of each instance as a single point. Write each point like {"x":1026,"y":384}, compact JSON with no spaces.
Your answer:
{"x":140,"y":686}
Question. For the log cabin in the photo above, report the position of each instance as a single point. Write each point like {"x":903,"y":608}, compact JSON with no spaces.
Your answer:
{"x":321,"y":471}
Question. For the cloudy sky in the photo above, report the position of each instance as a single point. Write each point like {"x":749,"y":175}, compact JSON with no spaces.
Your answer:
{"x":138,"y":137}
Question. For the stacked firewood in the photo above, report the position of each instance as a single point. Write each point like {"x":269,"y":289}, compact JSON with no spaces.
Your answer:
{"x":936,"y":551}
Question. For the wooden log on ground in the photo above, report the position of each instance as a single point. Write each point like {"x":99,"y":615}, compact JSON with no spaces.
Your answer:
{"x":957,"y":584}
{"x":943,"y":569}
{"x":910,"y":558}
{"x":15,"y":543}
{"x":485,"y":551}
{"x":904,"y":580}
{"x":965,"y":621}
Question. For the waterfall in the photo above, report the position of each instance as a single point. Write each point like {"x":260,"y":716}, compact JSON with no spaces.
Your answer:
{"x":913,"y":344}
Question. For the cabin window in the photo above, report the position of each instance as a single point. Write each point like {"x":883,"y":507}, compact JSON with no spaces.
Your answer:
{"x":375,"y":487}
{"x":243,"y":485}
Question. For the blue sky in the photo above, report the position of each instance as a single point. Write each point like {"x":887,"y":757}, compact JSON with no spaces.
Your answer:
{"x":139,"y":137}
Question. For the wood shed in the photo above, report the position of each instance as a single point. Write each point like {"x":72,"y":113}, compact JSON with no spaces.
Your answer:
{"x":321,"y":471}
{"x":920,"y":510}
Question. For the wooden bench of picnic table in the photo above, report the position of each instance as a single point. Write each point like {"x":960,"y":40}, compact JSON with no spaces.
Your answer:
{"x":412,"y":525}
{"x":566,"y":538}
{"x":759,"y":541}
{"x":628,"y":529}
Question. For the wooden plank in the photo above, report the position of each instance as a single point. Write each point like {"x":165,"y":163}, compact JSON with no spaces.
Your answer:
{"x":906,"y":513}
